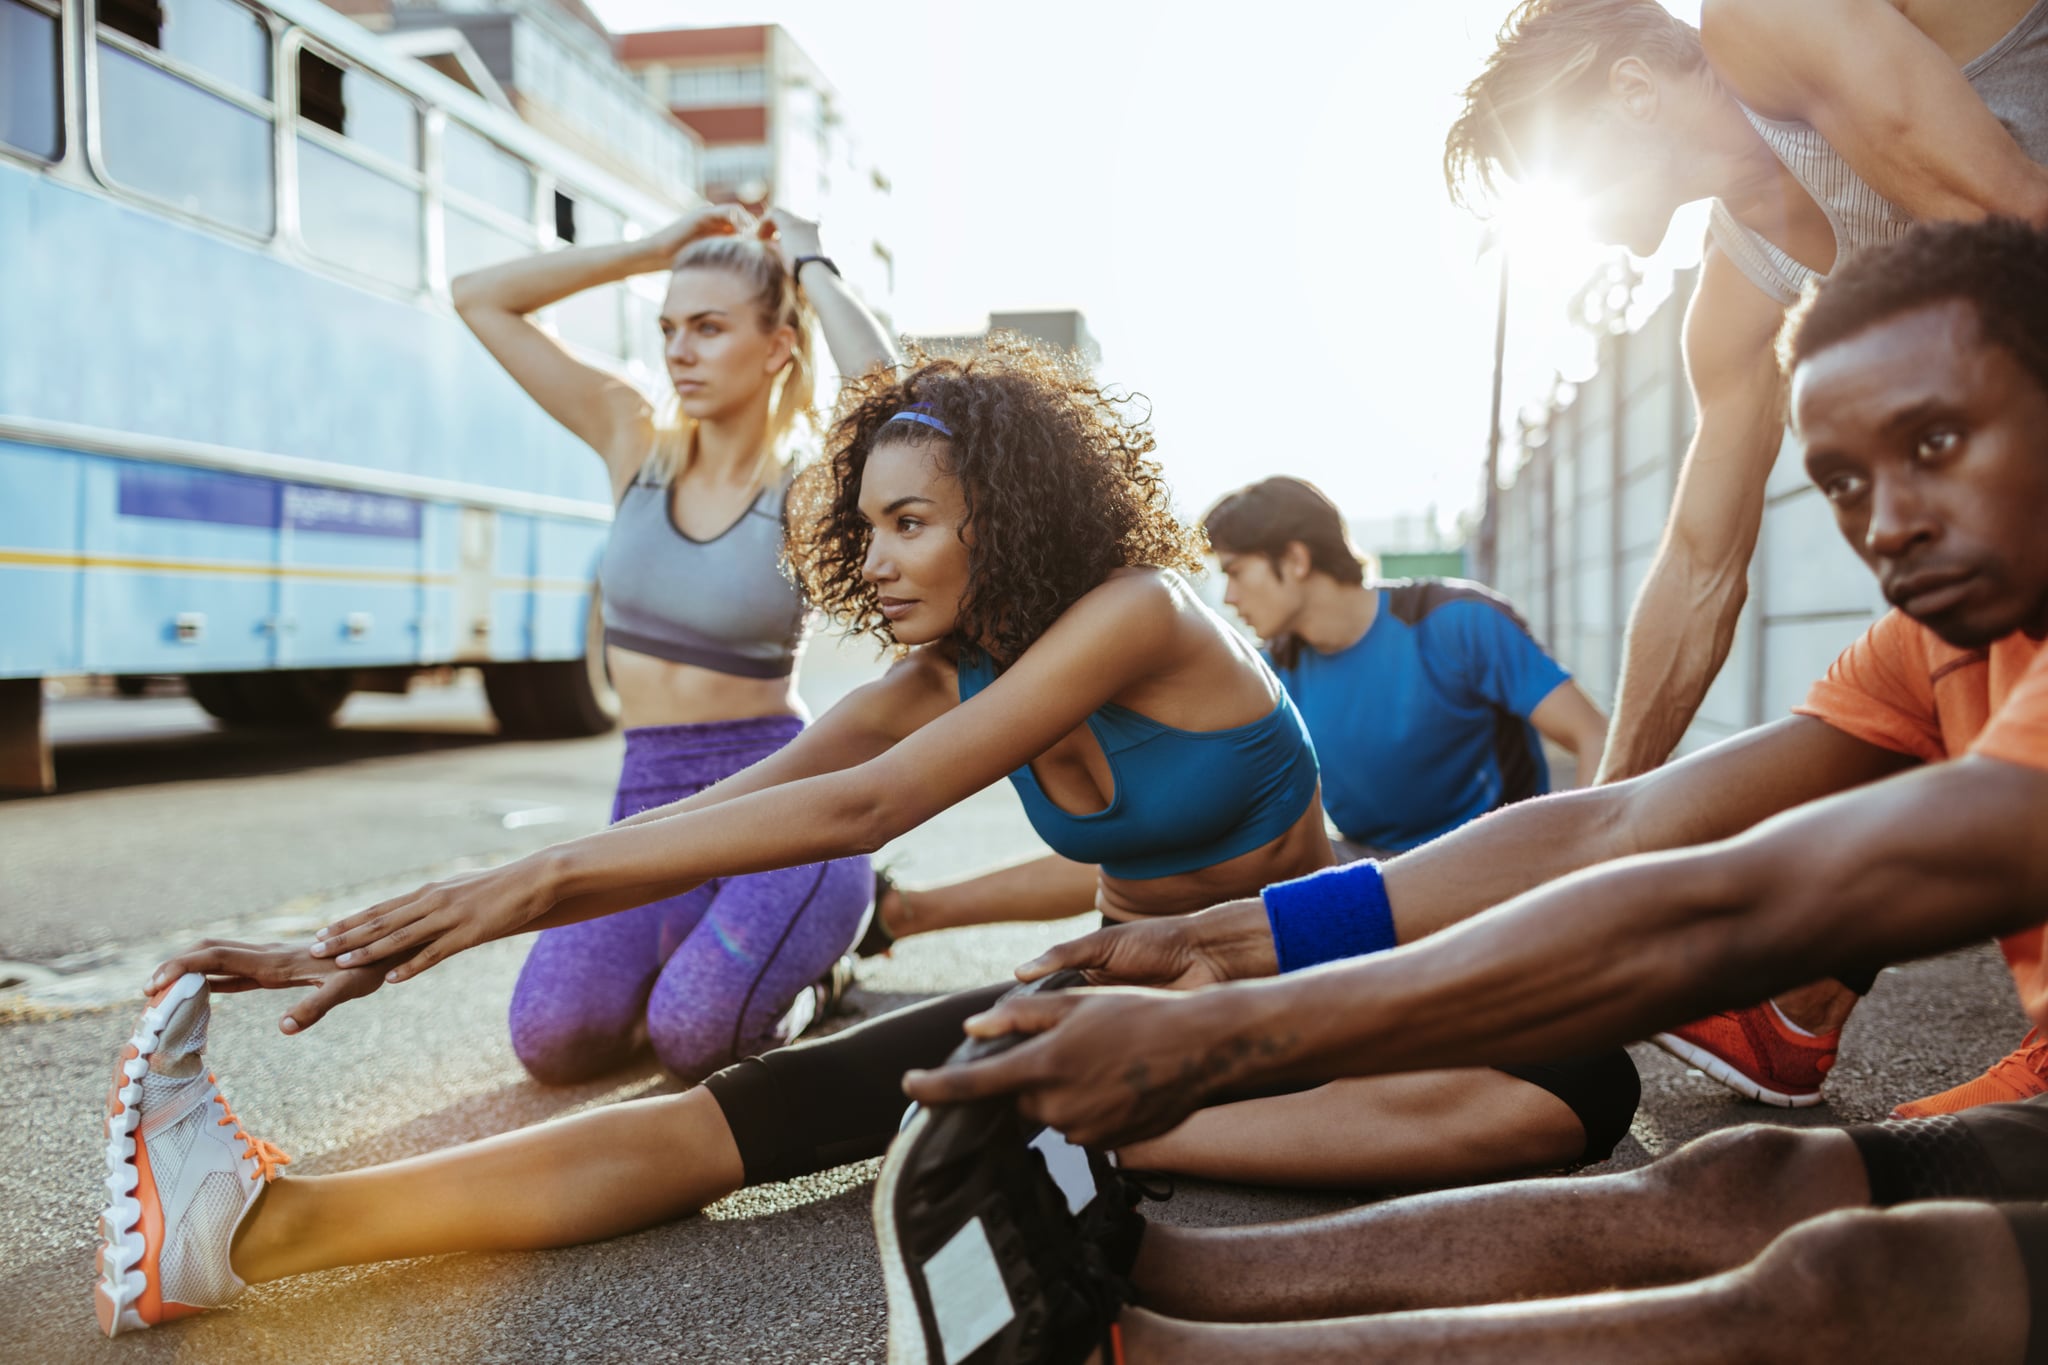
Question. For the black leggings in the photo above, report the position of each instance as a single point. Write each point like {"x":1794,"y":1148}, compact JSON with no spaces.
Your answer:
{"x":807,"y":1108}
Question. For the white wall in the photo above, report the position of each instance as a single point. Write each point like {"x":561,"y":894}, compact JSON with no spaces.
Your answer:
{"x":1580,"y":525}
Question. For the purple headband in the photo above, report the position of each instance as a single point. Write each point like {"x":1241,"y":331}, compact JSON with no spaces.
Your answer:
{"x":921,"y":412}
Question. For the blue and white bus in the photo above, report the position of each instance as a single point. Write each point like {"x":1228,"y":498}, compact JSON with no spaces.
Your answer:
{"x":243,"y":436}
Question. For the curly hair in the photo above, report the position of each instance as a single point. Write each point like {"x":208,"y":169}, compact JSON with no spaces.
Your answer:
{"x":1060,"y":484}
{"x":1999,"y":265}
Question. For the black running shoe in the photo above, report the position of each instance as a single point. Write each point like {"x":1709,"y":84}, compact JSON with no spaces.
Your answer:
{"x":875,"y":939}
{"x":1002,"y":1244}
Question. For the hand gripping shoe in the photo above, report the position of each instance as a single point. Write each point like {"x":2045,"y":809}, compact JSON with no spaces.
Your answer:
{"x":1001,"y":1242}
{"x":181,"y":1173}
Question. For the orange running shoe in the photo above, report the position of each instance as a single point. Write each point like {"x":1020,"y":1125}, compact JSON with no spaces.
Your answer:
{"x":1755,"y":1053}
{"x":2019,"y":1074}
{"x":181,"y":1173}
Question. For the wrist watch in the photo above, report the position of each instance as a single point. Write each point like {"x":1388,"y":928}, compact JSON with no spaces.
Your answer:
{"x":796,"y":271}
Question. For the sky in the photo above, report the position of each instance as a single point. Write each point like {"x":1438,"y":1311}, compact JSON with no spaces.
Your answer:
{"x":1245,"y":200}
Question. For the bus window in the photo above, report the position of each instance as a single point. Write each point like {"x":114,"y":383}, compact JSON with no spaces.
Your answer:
{"x":489,"y":213}
{"x":31,"y":116}
{"x":356,"y":217}
{"x":361,"y":108}
{"x":194,"y":132}
{"x":216,"y":37}
{"x":590,"y":319}
{"x":474,"y":242}
{"x":360,"y":202}
{"x":486,"y":172}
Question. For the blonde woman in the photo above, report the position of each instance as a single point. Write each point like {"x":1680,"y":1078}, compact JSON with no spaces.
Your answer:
{"x":702,"y":628}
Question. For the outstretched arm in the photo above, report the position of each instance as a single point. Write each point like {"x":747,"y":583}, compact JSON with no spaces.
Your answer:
{"x":1103,"y":644}
{"x":1884,"y":95}
{"x":1922,"y":862}
{"x":1714,"y":794}
{"x":1684,"y":618}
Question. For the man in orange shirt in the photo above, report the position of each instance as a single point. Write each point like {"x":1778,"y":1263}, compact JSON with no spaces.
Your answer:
{"x":1819,"y":130}
{"x":1899,"y":813}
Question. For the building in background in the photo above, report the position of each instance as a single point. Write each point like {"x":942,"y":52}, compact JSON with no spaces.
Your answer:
{"x":1066,"y":328}
{"x":774,"y":132}
{"x":1411,"y":545}
{"x":551,"y":62}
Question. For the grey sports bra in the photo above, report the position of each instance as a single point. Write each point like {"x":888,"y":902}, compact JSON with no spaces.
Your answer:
{"x":722,"y":604}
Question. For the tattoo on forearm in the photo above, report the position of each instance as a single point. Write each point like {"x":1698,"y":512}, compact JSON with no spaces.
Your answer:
{"x":1213,"y":1068}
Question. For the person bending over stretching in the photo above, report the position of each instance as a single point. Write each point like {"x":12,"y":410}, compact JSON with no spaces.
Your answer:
{"x":1899,"y":814}
{"x":1425,"y":699}
{"x":1003,"y":522}
{"x":702,"y":631}
{"x":1820,"y":131}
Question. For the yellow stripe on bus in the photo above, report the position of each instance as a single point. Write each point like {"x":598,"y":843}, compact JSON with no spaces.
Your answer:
{"x":48,"y":559}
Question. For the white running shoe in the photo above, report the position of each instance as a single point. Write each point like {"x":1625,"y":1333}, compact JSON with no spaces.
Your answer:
{"x":181,"y":1173}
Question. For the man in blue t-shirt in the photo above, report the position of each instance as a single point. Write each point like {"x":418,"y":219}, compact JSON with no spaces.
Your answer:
{"x":1425,"y":697}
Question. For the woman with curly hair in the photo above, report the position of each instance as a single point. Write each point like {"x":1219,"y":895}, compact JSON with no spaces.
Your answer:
{"x":1000,"y":520}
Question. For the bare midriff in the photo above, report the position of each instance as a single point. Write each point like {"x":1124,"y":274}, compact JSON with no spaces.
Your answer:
{"x":657,"y":692}
{"x":1303,"y":849}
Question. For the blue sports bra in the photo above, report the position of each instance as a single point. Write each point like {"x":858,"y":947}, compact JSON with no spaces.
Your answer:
{"x":1183,"y":799}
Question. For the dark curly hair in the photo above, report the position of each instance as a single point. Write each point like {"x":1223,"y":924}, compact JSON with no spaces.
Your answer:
{"x":1999,"y":266}
{"x":1060,"y":483}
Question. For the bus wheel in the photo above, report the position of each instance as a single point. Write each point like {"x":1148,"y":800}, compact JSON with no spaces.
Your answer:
{"x":556,"y":698}
{"x":304,"y":699}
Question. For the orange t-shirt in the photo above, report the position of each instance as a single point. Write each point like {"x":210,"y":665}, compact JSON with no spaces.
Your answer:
{"x":1901,"y":688}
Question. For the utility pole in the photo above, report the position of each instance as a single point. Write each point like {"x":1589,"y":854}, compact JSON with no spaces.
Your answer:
{"x":1489,"y":516}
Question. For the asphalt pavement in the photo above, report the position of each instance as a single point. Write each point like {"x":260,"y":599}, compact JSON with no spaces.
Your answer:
{"x":164,"y":829}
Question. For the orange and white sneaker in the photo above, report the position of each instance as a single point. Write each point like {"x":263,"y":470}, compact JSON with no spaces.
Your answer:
{"x":181,"y":1173}
{"x":2018,"y":1075}
{"x":1754,"y":1052}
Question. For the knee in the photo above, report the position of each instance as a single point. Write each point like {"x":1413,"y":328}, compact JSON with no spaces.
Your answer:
{"x":1820,"y":1279}
{"x":1752,"y":1158}
{"x":558,"y":1053}
{"x":689,"y":1045}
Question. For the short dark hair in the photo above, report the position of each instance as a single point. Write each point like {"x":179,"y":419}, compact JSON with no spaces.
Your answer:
{"x":1266,"y":517}
{"x":1999,"y":266}
{"x":1548,"y":50}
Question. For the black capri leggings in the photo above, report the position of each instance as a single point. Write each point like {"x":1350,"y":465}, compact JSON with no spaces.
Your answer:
{"x":812,"y":1106}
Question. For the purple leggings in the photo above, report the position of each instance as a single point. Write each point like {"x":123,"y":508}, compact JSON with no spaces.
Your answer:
{"x":707,"y":976}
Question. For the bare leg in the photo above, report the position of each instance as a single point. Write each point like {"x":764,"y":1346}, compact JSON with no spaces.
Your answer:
{"x":1426,"y":1128}
{"x":1929,"y":1281}
{"x":1045,"y":888}
{"x":1707,"y":1208}
{"x":1822,"y":1007}
{"x":595,"y":1175}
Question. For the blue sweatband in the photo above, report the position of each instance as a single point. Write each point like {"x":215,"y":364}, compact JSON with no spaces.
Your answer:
{"x":1336,"y":913}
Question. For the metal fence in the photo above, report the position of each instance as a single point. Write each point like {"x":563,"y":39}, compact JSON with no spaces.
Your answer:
{"x":1580,"y":524}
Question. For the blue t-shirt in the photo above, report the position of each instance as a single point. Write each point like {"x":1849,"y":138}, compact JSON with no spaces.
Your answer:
{"x":1423,"y":724}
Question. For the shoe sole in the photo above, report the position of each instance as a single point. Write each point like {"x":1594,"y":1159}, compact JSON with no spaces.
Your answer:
{"x":1692,"y":1054}
{"x":906,"y":1341}
{"x":121,"y":1284}
{"x":906,"y":1323}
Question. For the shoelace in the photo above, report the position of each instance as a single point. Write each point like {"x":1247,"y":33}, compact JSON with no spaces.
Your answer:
{"x":2030,"y":1059}
{"x":267,"y":1155}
